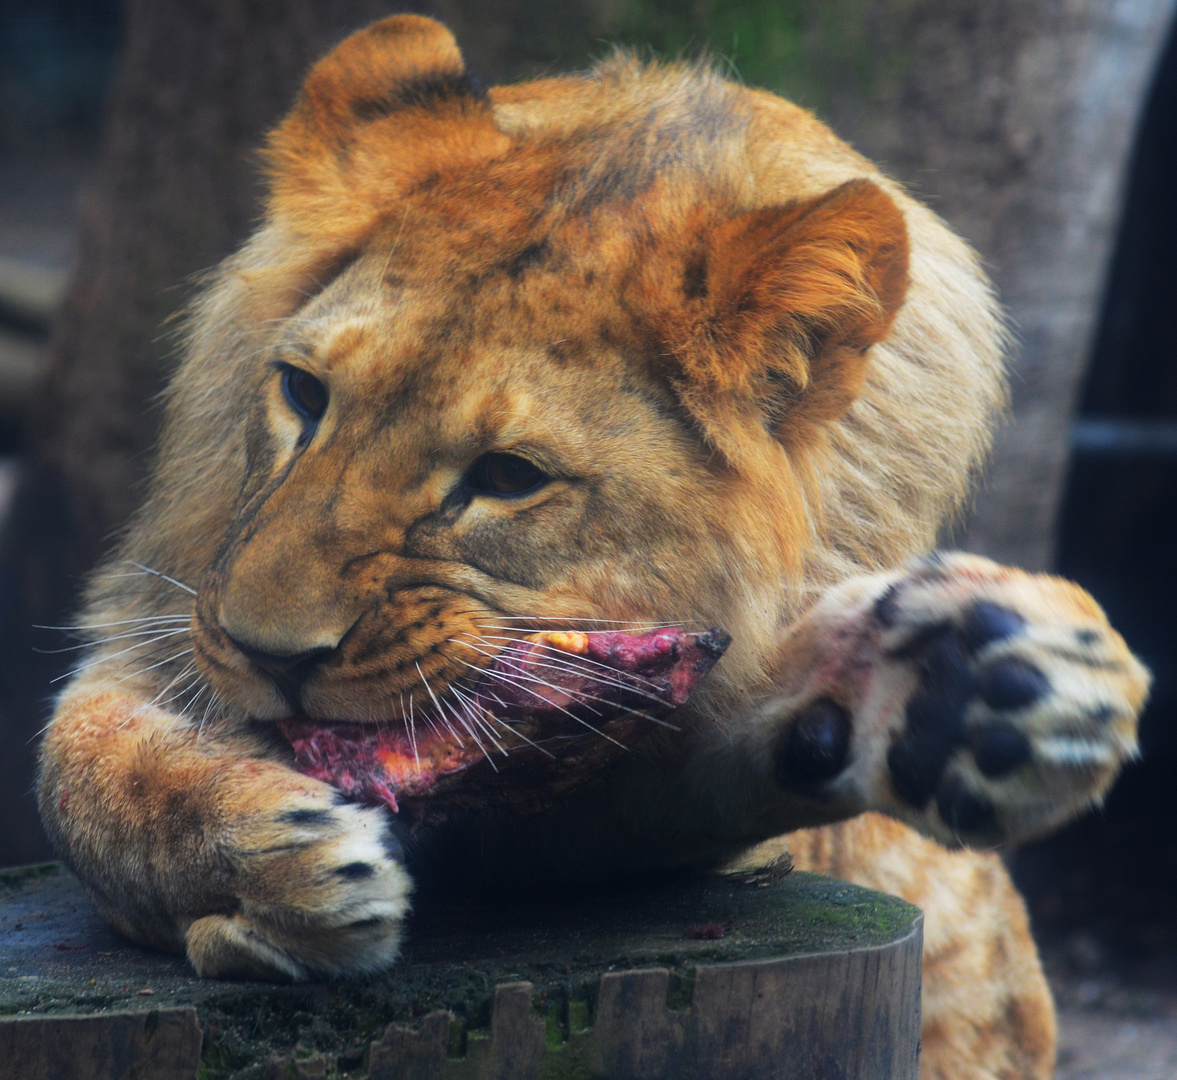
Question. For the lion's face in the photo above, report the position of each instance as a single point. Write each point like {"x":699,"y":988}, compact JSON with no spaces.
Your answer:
{"x":520,"y":403}
{"x":406,"y":505}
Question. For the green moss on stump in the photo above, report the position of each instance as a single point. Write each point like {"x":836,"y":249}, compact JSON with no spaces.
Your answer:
{"x":57,"y":957}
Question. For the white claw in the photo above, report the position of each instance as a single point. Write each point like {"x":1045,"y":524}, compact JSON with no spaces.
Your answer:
{"x":1077,"y":753}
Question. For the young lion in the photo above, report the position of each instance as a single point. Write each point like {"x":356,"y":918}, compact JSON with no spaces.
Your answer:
{"x":637,"y":346}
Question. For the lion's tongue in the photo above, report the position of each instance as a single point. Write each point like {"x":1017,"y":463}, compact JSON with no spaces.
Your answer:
{"x":542,"y":690}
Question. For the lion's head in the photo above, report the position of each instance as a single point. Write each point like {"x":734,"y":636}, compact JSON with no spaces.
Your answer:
{"x":635,"y":346}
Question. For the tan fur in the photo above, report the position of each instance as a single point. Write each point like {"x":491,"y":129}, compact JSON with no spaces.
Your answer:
{"x":758,"y":377}
{"x":987,"y":1011}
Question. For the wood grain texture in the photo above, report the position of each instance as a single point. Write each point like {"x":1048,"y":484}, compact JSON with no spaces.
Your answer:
{"x":160,"y":1045}
{"x":832,"y":1016}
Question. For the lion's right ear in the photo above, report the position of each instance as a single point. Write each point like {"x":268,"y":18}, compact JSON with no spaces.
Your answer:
{"x":782,"y":306}
{"x":387,"y":107}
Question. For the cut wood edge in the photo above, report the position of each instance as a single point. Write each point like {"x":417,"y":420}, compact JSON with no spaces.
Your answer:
{"x":854,"y":1014}
{"x":161,"y":1044}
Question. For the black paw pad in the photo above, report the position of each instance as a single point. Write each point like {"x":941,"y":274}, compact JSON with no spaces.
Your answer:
{"x":999,"y":749}
{"x":916,"y":764}
{"x":355,"y":871}
{"x":947,"y":681}
{"x":887,"y":607}
{"x":306,"y":816}
{"x":815,"y":747}
{"x":1012,"y":684}
{"x":987,"y":622}
{"x":962,"y":810}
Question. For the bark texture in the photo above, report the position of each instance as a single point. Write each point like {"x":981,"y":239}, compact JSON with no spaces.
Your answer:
{"x":1016,"y":120}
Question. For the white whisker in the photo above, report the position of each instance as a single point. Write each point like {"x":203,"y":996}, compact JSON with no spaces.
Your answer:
{"x":441,"y":713}
{"x":188,"y":668}
{"x":117,"y":622}
{"x":503,"y":723}
{"x":213,"y":700}
{"x":436,"y":704}
{"x":95,"y":661}
{"x":166,"y":577}
{"x":466,"y":718}
{"x":156,"y":633}
{"x":473,"y":710}
{"x":152,"y":667}
{"x":528,"y":678}
{"x":560,"y":658}
{"x":584,"y":695}
{"x":411,"y":725}
{"x":590,"y":676}
{"x":465,"y":723}
{"x":571,"y":715}
{"x":641,"y":624}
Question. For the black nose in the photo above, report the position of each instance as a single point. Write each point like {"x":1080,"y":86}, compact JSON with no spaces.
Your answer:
{"x":287,"y":671}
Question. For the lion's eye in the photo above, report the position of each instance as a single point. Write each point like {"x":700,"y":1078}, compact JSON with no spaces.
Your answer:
{"x":305,"y":394}
{"x":504,"y":474}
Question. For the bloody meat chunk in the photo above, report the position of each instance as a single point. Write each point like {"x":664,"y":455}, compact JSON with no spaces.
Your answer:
{"x":547,"y":713}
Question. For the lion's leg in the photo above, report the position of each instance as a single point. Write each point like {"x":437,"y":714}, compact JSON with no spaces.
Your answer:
{"x":980,"y":704}
{"x":987,"y":1011}
{"x":186,"y":842}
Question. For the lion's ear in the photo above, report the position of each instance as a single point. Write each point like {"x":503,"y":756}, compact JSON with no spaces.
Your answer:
{"x":387,"y":107}
{"x":783,"y":303}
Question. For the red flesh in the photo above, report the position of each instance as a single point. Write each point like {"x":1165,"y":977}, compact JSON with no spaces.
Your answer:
{"x":596,"y":693}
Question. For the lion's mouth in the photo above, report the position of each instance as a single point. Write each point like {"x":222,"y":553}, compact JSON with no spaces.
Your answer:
{"x":547,"y":713}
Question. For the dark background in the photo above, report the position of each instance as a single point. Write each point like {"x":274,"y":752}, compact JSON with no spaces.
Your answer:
{"x":1114,"y":873}
{"x":1106,"y":884}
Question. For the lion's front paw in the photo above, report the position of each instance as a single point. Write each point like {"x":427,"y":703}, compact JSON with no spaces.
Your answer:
{"x":320,"y":887}
{"x":979,"y":703}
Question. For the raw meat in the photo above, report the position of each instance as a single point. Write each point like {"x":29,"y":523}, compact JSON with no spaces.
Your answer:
{"x":549,"y":711}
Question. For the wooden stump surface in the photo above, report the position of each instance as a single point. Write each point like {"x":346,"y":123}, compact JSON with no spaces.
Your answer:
{"x":713,"y":977}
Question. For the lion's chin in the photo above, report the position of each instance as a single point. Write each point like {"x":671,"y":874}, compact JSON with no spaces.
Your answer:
{"x":546,"y":714}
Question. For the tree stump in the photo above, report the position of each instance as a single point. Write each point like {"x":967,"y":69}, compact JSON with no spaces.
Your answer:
{"x":739,"y":975}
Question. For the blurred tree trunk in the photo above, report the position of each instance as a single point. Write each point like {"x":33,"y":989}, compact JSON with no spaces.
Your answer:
{"x":176,"y":190}
{"x":1015,"y":120}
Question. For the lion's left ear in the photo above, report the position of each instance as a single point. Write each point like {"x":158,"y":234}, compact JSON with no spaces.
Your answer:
{"x":388,"y":107}
{"x":782,"y":305}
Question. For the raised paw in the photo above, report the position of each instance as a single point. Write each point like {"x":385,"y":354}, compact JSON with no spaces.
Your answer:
{"x":319,"y":888}
{"x":979,"y":703}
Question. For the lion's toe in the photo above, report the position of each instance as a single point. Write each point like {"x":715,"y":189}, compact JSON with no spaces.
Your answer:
{"x":1023,"y":704}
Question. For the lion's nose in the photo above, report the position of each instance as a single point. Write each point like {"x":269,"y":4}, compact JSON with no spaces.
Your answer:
{"x":288,"y":671}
